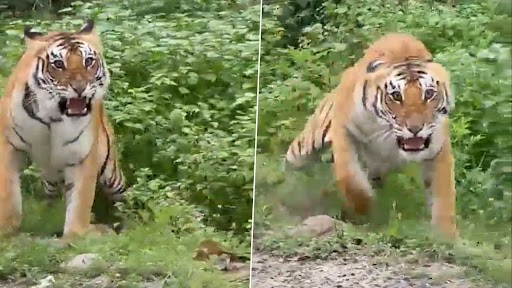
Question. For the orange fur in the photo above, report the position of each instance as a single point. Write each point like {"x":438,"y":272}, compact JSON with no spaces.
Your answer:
{"x":392,"y":60}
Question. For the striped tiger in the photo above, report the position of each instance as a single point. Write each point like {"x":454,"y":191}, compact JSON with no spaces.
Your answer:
{"x":389,"y":109}
{"x":53,"y":111}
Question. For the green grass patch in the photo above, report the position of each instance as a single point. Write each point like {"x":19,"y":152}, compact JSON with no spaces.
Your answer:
{"x":398,"y":228}
{"x":142,"y":253}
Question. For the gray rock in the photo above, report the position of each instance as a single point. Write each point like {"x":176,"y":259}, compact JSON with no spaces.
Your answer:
{"x":81,"y":262}
{"x":100,"y":282}
{"x":154,"y":284}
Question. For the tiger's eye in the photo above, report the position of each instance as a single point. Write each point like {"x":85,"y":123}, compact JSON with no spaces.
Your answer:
{"x":88,"y":61}
{"x":59,"y":64}
{"x":396,"y":96}
{"x":429,"y":94}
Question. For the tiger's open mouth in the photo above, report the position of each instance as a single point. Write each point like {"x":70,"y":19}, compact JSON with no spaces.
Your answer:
{"x":413,"y":144}
{"x":75,"y":107}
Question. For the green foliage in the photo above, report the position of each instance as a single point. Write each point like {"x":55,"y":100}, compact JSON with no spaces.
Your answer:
{"x":131,"y":259}
{"x":182,"y":101}
{"x":31,"y":8}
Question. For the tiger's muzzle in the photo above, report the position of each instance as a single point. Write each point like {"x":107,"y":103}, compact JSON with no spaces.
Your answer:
{"x":413,"y":144}
{"x":75,"y":107}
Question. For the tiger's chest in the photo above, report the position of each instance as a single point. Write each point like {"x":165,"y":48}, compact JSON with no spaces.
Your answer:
{"x":51,"y":144}
{"x":375,"y":148}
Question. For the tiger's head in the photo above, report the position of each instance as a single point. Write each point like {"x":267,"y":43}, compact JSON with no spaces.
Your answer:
{"x":69,"y":71}
{"x":411,"y":96}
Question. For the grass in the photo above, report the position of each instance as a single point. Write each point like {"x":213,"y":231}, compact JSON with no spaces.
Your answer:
{"x":399,"y":225}
{"x":142,"y":253}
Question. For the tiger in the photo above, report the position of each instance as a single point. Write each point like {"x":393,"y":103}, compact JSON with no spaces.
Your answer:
{"x":53,"y":112}
{"x":389,"y":109}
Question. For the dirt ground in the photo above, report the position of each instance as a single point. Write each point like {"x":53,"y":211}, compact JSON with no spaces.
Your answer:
{"x":354,"y":270}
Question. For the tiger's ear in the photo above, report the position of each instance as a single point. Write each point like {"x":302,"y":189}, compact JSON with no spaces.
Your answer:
{"x":29,"y":34}
{"x":87,"y":28}
{"x":373,"y":65}
{"x":32,"y":38}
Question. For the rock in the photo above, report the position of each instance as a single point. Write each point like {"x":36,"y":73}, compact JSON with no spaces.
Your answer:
{"x":154,"y":284}
{"x":81,"y":262}
{"x":100,"y":282}
{"x":45,"y":283}
{"x":319,"y":225}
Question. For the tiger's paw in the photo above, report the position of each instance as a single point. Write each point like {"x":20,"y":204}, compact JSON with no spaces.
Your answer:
{"x":9,"y":228}
{"x":100,"y":230}
{"x":94,"y":229}
{"x":446,"y":229}
{"x":450,"y":233}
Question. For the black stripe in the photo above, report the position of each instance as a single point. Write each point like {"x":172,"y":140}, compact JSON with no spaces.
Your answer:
{"x":51,"y":183}
{"x":375,"y":108}
{"x":29,"y":105}
{"x":13,"y":146}
{"x":324,"y":133}
{"x":326,"y":118}
{"x":55,"y":120}
{"x":77,"y":137}
{"x":51,"y":188}
{"x":299,"y":146}
{"x":117,"y":181}
{"x":79,"y":161}
{"x":38,"y":69}
{"x":407,"y":65}
{"x":21,"y":137}
{"x":69,"y":186}
{"x":372,"y":66}
{"x":120,"y":190}
{"x":365,"y":94}
{"x":401,"y":77}
{"x":112,"y":173}
{"x":446,"y":95}
{"x":104,"y":165}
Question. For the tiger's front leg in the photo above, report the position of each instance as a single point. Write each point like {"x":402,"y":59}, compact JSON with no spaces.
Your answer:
{"x":10,"y":190}
{"x":80,"y":186}
{"x":351,"y":180}
{"x":439,"y":180}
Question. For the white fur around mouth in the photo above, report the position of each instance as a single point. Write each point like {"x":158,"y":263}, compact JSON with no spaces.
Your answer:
{"x":413,"y":144}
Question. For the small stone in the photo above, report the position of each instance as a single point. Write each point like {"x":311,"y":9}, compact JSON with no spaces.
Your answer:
{"x":99,"y":282}
{"x":81,"y":262}
{"x":319,"y":225}
{"x":154,"y":284}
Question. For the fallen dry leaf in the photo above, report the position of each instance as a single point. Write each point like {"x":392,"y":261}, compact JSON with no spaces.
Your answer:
{"x":222,"y":259}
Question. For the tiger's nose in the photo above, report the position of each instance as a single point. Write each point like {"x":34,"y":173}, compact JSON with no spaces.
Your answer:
{"x":414,"y":129}
{"x":78,"y":87}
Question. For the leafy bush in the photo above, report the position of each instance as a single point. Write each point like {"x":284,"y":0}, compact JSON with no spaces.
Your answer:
{"x":182,"y":101}
{"x":470,"y":39}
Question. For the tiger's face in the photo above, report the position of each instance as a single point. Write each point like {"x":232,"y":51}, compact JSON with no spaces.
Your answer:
{"x":69,"y":69}
{"x":412,"y":98}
